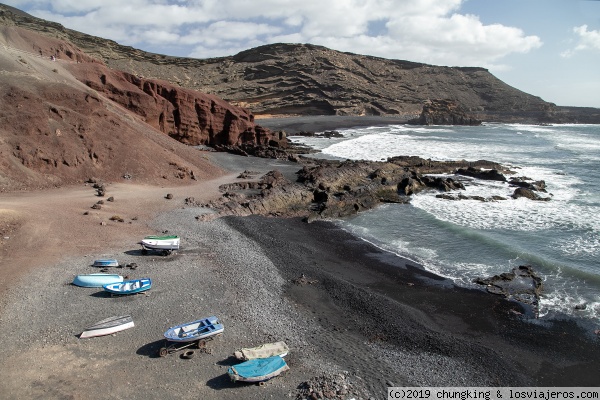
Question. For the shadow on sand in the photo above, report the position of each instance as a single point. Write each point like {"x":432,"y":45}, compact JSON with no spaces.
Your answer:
{"x":151,"y":350}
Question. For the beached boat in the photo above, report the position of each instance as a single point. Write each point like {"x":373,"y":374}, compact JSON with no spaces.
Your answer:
{"x":132,"y":286}
{"x":258,"y":369}
{"x":96,"y":280}
{"x":263,"y":351}
{"x":168,"y":242}
{"x":109,"y":262}
{"x":108,"y":326}
{"x":195,"y":330}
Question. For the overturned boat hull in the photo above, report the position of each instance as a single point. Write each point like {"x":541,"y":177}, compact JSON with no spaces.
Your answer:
{"x":106,"y":263}
{"x":108,"y":326}
{"x":263,"y":351}
{"x":258,"y":369}
{"x":96,"y":280}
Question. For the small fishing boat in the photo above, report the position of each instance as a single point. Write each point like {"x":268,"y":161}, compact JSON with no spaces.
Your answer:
{"x":109,"y":262}
{"x":96,"y":280}
{"x":195,"y":330}
{"x":263,"y":351}
{"x":186,"y":335}
{"x":108,"y":326}
{"x":166,"y":243}
{"x":132,"y":286}
{"x":258,"y":369}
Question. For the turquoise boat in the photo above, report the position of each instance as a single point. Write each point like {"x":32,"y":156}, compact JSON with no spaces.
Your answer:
{"x":258,"y":369}
{"x":132,"y":286}
{"x":96,"y":280}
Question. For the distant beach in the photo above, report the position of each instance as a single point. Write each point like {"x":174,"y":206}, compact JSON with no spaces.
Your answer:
{"x":320,"y":123}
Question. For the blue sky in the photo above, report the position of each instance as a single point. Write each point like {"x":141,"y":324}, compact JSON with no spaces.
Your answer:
{"x":548,"y":48}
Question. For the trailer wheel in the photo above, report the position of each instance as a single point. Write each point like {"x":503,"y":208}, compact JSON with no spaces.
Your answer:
{"x":163,"y":352}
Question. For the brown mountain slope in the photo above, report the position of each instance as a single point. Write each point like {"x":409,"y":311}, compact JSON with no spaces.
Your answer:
{"x":55,"y":130}
{"x":313,"y":80}
{"x":297,"y":79}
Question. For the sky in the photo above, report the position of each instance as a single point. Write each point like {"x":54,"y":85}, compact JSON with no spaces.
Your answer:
{"x":547,"y":48}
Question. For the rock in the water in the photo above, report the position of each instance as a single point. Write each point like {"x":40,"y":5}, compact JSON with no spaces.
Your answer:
{"x":521,"y":285}
{"x":443,"y":112}
{"x":523,"y":182}
{"x":489,"y":175}
{"x":528,"y":194}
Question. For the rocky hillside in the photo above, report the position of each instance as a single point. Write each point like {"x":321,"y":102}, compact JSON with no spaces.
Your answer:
{"x":302,"y":79}
{"x":69,"y":118}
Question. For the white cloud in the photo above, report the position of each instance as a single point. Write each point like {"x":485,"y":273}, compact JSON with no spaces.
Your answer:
{"x":432,"y":31}
{"x":158,"y":36}
{"x":587,"y":40}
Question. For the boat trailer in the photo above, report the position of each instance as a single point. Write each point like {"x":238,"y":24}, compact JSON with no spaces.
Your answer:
{"x":174,"y":347}
{"x":162,"y":252}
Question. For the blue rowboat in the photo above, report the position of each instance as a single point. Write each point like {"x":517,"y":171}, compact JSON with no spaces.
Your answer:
{"x":109,"y":262}
{"x":258,"y":369}
{"x":195,"y":330}
{"x":129,"y":287}
{"x":96,"y":280}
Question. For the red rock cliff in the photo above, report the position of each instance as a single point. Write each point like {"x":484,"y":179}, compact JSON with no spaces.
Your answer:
{"x":186,"y":115}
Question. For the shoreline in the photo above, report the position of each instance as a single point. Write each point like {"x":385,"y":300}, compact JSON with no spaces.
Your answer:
{"x":320,"y":123}
{"x":344,"y":307}
{"x":348,"y":310}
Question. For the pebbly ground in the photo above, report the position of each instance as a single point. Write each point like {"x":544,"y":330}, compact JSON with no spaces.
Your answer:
{"x":356,"y":319}
{"x":345,"y":308}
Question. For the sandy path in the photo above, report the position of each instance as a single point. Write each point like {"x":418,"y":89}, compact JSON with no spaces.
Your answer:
{"x":42,"y":227}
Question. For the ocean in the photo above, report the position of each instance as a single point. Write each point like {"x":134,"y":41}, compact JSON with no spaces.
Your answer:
{"x":465,"y":239}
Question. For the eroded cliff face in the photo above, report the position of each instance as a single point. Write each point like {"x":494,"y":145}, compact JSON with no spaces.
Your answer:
{"x":57,"y":130}
{"x":304,"y":79}
{"x":186,"y":115}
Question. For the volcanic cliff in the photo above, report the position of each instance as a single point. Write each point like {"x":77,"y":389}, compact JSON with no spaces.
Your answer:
{"x":67,"y":117}
{"x":303,"y":79}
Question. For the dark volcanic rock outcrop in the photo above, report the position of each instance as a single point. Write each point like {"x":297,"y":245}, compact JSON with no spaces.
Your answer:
{"x":528,"y":194}
{"x":524,"y":182}
{"x":521,"y":284}
{"x":443,"y":112}
{"x":331,"y":189}
{"x":334,"y":189}
{"x":489,"y":175}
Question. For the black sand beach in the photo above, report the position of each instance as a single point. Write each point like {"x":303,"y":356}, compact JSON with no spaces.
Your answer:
{"x":374,"y":298}
{"x":320,"y":123}
{"x":350,"y":313}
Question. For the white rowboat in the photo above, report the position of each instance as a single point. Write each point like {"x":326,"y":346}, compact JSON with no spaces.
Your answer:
{"x":108,"y":326}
